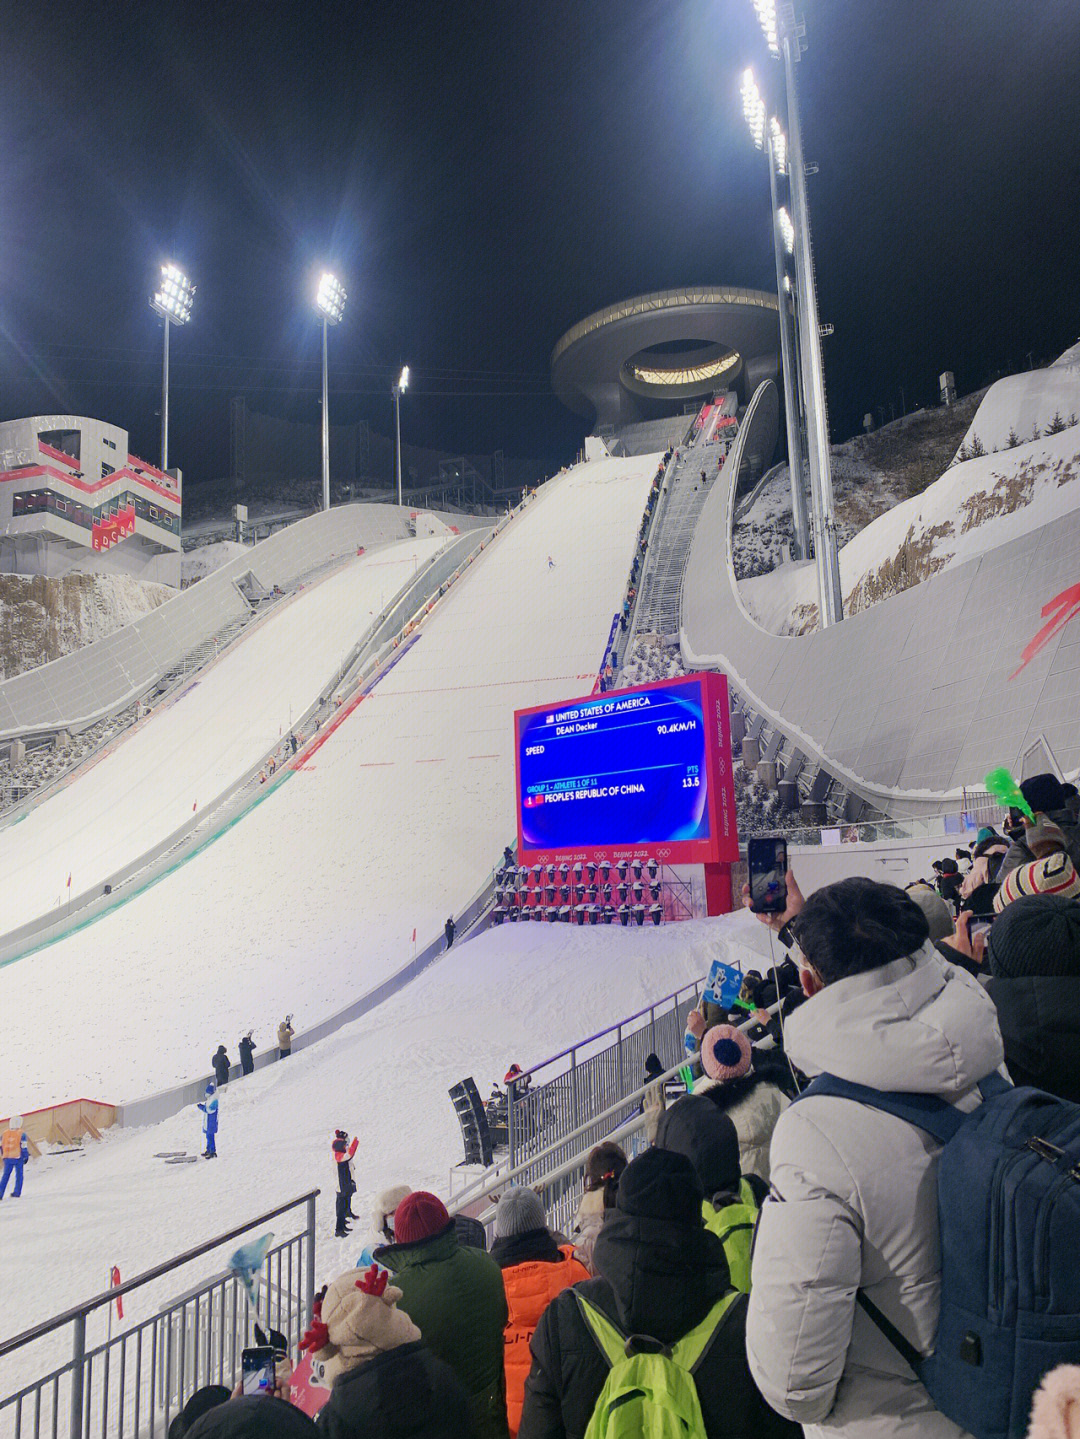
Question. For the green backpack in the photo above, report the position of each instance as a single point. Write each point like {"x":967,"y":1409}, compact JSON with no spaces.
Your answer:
{"x":650,"y":1395}
{"x":733,"y":1224}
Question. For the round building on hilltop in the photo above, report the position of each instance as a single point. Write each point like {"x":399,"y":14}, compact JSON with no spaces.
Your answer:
{"x":656,"y":354}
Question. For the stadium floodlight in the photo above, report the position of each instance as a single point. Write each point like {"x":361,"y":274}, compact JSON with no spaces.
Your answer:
{"x":779,"y":146}
{"x":331,"y":298}
{"x":766,"y":13}
{"x":402,"y":384}
{"x":787,"y":229}
{"x":330,"y":302}
{"x":753,"y":108}
{"x":172,"y":301}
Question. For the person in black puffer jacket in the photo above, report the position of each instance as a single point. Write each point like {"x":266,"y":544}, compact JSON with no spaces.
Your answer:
{"x":386,"y":1383}
{"x":1034,"y":958}
{"x":661,"y":1272}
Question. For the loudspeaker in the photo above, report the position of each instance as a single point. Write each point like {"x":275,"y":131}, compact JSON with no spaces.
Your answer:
{"x":473,"y":1121}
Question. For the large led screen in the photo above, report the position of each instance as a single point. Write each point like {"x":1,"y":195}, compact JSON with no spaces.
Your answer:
{"x":629,"y":772}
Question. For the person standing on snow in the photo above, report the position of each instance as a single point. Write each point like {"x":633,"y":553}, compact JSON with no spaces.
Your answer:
{"x":449,"y":929}
{"x":247,"y":1061}
{"x":222,"y":1066}
{"x":551,"y":563}
{"x":285,"y":1033}
{"x":209,"y":1107}
{"x":15,"y":1151}
{"x":343,"y":1153}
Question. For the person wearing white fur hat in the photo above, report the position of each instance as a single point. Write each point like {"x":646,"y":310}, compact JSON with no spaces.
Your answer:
{"x":378,"y":1365}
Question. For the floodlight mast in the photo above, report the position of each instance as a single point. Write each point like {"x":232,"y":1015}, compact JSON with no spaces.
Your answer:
{"x":784,"y":35}
{"x":330,"y":302}
{"x":172,"y":301}
{"x":770,"y":138}
{"x":402,"y":384}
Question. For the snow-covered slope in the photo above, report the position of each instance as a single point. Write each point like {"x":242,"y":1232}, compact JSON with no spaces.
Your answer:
{"x":980,"y":502}
{"x":182,"y":757}
{"x":519,"y":993}
{"x":312,"y":898}
{"x":198,"y":563}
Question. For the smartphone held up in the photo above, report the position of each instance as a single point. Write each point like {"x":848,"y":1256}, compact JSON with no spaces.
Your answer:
{"x":767,"y":863}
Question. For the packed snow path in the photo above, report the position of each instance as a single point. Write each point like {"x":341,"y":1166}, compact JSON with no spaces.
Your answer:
{"x":396,"y":821}
{"x":185,"y":755}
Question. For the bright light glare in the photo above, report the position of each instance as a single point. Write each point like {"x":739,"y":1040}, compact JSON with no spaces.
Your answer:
{"x":753,"y":108}
{"x":331,"y":298}
{"x":787,"y":284}
{"x":787,"y":230}
{"x":766,"y":13}
{"x":779,"y":146}
{"x":173,"y":298}
{"x":403,"y":379}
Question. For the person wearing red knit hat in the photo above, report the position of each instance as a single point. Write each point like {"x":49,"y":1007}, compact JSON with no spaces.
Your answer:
{"x":455,"y":1297}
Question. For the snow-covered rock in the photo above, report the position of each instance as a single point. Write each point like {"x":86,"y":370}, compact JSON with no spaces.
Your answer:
{"x":43,"y":618}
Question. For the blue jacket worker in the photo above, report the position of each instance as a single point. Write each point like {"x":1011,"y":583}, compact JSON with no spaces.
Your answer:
{"x":209,"y":1107}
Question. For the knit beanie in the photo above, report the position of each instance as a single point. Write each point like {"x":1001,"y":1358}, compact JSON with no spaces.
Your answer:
{"x":200,"y":1403}
{"x":1043,"y":837}
{"x":419,"y":1216}
{"x":358,"y":1319}
{"x":660,"y":1184}
{"x":520,"y":1210}
{"x":386,"y":1203}
{"x":725,"y":1052}
{"x":1055,"y":874}
{"x":938,"y":915}
{"x":984,"y":834}
{"x":1043,"y":793}
{"x":1037,"y":935}
{"x":256,"y":1416}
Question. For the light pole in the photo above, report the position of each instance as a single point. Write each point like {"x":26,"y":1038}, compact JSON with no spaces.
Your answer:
{"x":330,"y":302}
{"x":402,"y":384}
{"x":770,"y":138}
{"x":783,"y":34}
{"x":172,"y":301}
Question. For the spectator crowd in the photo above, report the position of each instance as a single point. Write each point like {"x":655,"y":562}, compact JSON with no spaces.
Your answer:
{"x":861,"y":1220}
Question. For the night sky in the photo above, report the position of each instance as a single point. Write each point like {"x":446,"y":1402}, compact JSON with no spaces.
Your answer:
{"x":484,"y":174}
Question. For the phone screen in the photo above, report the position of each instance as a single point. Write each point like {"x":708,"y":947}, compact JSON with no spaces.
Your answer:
{"x":767,"y":863}
{"x":257,"y":1368}
{"x":978,"y":926}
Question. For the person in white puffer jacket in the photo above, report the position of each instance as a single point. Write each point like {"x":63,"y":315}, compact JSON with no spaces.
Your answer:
{"x":853,"y":1204}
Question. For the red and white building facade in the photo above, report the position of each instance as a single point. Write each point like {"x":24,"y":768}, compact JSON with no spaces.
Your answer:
{"x":73,"y":499}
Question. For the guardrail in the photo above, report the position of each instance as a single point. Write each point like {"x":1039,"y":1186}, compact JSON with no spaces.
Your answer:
{"x":591,"y":1078}
{"x":134,"y":1382}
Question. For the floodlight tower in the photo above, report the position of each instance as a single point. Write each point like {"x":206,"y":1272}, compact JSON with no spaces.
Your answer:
{"x":784,"y":35}
{"x":402,"y":384}
{"x":330,"y":302}
{"x":172,"y":301}
{"x":770,"y":138}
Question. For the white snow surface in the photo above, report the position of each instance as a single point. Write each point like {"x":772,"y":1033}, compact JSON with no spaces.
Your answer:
{"x":517,"y":993}
{"x":1048,"y":470}
{"x":396,"y":821}
{"x":189,"y":751}
{"x":1025,"y":402}
{"x":198,"y":563}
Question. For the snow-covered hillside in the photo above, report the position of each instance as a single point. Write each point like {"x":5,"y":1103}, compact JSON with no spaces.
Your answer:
{"x":311,"y":899}
{"x":42,"y":618}
{"x":197,"y":564}
{"x":385,"y":1078}
{"x":982,"y":500}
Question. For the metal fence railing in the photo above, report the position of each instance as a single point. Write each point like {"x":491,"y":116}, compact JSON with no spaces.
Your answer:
{"x":134,"y":1382}
{"x":556,"y":1097}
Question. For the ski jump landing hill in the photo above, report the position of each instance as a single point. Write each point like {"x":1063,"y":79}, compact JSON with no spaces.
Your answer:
{"x":390,"y":824}
{"x":919,"y":696}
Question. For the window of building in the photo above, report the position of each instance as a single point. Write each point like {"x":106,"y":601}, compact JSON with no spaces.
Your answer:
{"x":107,"y":469}
{"x":111,"y":444}
{"x":68,"y":442}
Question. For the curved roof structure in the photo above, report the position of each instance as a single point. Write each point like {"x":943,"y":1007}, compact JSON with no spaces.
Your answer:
{"x":649,"y":355}
{"x":918,"y":697}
